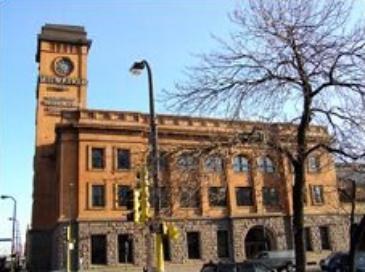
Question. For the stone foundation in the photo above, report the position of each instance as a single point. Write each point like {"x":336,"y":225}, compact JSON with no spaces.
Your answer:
{"x":278,"y":229}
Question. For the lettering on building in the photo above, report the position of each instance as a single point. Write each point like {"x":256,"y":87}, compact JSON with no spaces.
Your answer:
{"x":54,"y":105}
{"x":62,"y":80}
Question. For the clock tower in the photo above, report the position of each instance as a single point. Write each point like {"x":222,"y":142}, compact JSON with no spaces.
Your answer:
{"x":62,"y":57}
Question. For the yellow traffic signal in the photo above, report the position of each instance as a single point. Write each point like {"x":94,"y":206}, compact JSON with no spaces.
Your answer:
{"x":136,"y":205}
{"x":145,"y":195}
{"x":173,"y":232}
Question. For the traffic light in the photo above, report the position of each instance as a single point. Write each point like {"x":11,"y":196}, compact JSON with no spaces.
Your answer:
{"x":135,"y":215}
{"x":173,"y":231}
{"x":136,"y":205}
{"x":145,"y":195}
{"x":141,"y":199}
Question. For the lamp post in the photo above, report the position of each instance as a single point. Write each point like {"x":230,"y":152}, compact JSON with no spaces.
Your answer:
{"x":153,"y":160}
{"x":137,"y":69}
{"x":13,"y":227}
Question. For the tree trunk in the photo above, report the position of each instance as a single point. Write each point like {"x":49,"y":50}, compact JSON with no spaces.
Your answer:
{"x":358,"y":235}
{"x":352,"y":229}
{"x":298,"y":218}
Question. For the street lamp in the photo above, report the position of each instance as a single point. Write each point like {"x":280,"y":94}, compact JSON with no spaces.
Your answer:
{"x":13,"y":227}
{"x":153,"y":160}
{"x":137,"y":69}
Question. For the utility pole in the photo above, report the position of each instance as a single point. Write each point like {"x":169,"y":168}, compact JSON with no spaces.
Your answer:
{"x":13,"y":259}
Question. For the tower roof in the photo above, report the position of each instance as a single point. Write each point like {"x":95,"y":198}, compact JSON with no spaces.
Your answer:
{"x":62,"y":33}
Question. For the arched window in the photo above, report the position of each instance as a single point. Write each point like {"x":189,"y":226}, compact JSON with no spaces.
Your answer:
{"x":214,"y":164}
{"x":240,"y":164}
{"x":265,"y":165}
{"x":186,"y":162}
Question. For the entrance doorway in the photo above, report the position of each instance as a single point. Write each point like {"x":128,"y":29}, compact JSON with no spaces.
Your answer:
{"x":257,"y":240}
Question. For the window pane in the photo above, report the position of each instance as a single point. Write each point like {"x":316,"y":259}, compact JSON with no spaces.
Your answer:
{"x":193,"y":243}
{"x":166,"y":248}
{"x":163,"y":161}
{"x":244,"y":196}
{"x":164,"y":197}
{"x":98,"y":249}
{"x":307,"y":239}
{"x":313,"y":164}
{"x":97,"y":158}
{"x":240,"y":164}
{"x":125,"y":248}
{"x":217,"y":196}
{"x":274,"y":196}
{"x":214,"y":163}
{"x":98,"y":198}
{"x":189,"y":197}
{"x":123,"y":159}
{"x":222,"y":244}
{"x":187,"y":162}
{"x":269,"y":166}
{"x":265,"y":165}
{"x":317,"y":194}
{"x":270,"y":196}
{"x":325,"y":239}
{"x":125,"y":196}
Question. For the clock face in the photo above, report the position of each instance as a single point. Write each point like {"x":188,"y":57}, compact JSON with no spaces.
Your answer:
{"x":63,"y":66}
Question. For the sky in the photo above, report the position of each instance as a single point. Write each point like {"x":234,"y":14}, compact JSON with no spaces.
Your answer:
{"x":167,"y":33}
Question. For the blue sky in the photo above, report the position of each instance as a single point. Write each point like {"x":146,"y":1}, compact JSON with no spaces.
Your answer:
{"x":165,"y":32}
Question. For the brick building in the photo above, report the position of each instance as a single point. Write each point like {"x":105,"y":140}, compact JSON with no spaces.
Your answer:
{"x":86,"y":162}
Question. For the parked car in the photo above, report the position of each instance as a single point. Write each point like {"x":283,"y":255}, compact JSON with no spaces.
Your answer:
{"x":246,"y":266}
{"x":339,"y":261}
{"x":280,"y":260}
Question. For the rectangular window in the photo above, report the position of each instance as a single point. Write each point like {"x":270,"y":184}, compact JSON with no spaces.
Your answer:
{"x":189,"y":197}
{"x":164,"y":197}
{"x":166,"y":248}
{"x":325,"y":238}
{"x":270,"y":195}
{"x":317,"y":195}
{"x":98,"y":196}
{"x":314,"y":164}
{"x":125,"y":248}
{"x":193,"y":243}
{"x":124,"y":196}
{"x":97,"y":158}
{"x":98,"y":249}
{"x":217,"y":196}
{"x":244,"y":196}
{"x":307,"y":239}
{"x":123,"y":159}
{"x":222,"y":244}
{"x":163,"y":161}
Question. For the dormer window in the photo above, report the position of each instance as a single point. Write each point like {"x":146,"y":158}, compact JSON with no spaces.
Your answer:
{"x":314,"y":164}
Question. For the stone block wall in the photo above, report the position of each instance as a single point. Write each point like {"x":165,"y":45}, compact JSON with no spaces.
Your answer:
{"x":278,"y":230}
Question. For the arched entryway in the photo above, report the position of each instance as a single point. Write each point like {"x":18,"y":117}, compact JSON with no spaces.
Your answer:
{"x":258,"y":239}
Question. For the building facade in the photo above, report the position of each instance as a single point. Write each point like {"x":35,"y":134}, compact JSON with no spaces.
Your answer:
{"x":228,"y":203}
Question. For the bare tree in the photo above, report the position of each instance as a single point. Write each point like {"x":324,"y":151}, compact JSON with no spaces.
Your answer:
{"x":295,"y":61}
